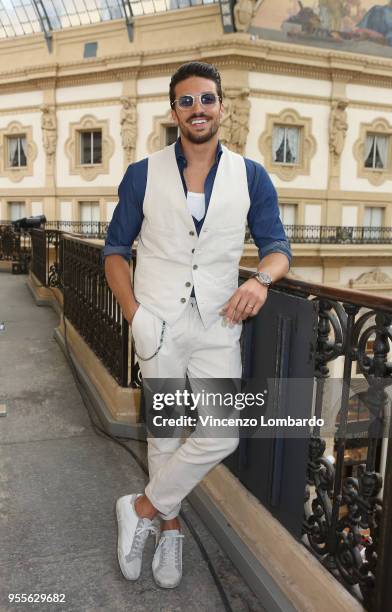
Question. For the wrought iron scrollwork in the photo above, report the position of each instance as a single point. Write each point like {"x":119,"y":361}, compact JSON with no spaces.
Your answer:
{"x":54,"y":279}
{"x":320,"y":475}
{"x":342,"y":514}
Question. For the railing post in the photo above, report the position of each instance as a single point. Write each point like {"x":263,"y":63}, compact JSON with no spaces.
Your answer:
{"x":341,"y":442}
{"x":383,"y":587}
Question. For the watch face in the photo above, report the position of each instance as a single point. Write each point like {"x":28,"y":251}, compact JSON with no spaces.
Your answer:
{"x":265,"y":278}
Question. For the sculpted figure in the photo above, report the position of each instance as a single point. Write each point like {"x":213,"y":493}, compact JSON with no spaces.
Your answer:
{"x":240,"y":122}
{"x":244,"y":11}
{"x":337,"y":127}
{"x":225,"y":125}
{"x":128,"y":123}
{"x":49,"y":129}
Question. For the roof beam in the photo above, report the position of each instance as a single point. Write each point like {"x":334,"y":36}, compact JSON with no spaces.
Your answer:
{"x":44,"y":20}
{"x":128,"y":18}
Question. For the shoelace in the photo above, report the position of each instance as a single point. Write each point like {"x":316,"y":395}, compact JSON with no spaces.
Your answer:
{"x":141,"y":535}
{"x":169,"y":549}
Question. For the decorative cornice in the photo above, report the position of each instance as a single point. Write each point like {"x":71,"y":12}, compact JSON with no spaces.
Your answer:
{"x":231,"y":50}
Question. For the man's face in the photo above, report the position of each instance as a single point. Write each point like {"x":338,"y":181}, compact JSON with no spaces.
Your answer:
{"x":200,"y":123}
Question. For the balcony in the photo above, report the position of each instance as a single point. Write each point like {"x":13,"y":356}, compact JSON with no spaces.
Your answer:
{"x":307,"y":520}
{"x":335,"y":234}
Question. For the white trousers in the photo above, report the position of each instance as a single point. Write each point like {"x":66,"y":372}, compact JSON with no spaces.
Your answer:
{"x":188,"y":348}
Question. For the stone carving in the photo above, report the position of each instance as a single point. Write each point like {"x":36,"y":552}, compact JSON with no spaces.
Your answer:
{"x":49,"y":130}
{"x":374,"y":277}
{"x":234,"y":126}
{"x":337,"y":127}
{"x":244,"y":11}
{"x":128,"y":122}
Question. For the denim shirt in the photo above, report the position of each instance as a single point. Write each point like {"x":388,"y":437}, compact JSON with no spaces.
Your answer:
{"x":263,"y":216}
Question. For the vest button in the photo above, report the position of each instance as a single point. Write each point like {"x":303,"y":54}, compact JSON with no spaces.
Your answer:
{"x":191,"y":233}
{"x":187,"y":284}
{"x":183,"y":300}
{"x":193,"y":250}
{"x":195,"y":267}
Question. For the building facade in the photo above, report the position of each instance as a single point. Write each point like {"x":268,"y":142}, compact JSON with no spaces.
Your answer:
{"x":318,"y":118}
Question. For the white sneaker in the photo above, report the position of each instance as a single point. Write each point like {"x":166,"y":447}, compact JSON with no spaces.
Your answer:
{"x":132,"y":535}
{"x":167,"y":562}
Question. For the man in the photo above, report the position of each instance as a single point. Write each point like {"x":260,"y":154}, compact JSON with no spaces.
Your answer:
{"x":190,"y":203}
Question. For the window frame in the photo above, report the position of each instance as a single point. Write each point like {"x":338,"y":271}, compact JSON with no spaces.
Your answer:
{"x":157,"y":137}
{"x":11,"y":203}
{"x":376,"y":135}
{"x":288,"y":127}
{"x":19,"y":137}
{"x":307,"y":144}
{"x":80,"y":136}
{"x":378,"y":127}
{"x":72,"y":147}
{"x":15,"y":130}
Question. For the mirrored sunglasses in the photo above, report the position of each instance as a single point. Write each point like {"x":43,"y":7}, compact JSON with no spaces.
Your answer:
{"x":188,"y":100}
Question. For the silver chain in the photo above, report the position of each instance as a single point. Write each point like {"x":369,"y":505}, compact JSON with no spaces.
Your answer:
{"x":157,"y":350}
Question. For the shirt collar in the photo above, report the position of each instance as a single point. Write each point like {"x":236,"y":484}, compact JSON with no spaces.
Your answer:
{"x":182,"y":159}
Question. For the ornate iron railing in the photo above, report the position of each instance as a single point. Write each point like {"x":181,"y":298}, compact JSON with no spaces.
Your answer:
{"x":334,"y":234}
{"x":89,"y":304}
{"x":15,"y":246}
{"x":46,"y":256}
{"x":92,"y":229}
{"x":347,"y":517}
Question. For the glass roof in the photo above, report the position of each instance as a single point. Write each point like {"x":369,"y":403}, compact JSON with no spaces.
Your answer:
{"x":18,"y":17}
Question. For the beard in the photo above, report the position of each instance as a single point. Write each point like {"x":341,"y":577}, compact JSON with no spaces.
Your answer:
{"x":199,"y":138}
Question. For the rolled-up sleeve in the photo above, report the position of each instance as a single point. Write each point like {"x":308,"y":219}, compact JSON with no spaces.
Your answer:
{"x":128,"y":215}
{"x":264,"y":221}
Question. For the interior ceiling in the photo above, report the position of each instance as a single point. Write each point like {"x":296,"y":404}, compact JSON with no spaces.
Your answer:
{"x":20,"y":17}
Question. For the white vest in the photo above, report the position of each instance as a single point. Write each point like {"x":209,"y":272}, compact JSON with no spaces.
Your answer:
{"x":171,"y":257}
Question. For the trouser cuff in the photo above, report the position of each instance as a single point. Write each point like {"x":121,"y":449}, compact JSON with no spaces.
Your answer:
{"x":164,"y":513}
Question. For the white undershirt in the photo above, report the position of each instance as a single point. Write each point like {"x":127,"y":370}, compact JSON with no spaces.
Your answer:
{"x":196,"y":204}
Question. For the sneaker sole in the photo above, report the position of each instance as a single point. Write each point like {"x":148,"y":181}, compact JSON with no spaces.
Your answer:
{"x":120,"y":562}
{"x":165,"y":586}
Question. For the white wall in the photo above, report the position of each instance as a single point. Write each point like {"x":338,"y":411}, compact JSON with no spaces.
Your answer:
{"x":88,"y":92}
{"x":312,"y":275}
{"x":110,"y":206}
{"x":153,"y":85}
{"x":350,"y":215}
{"x":365,"y":93}
{"x":312,"y":214}
{"x":65,"y":211}
{"x":16,"y":100}
{"x":284,"y":84}
{"x":36,"y":208}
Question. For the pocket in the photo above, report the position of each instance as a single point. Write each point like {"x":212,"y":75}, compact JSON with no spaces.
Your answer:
{"x":135,"y":319}
{"x":146,"y":331}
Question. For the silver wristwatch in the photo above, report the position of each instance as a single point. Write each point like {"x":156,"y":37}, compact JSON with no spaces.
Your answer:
{"x":263,"y":278}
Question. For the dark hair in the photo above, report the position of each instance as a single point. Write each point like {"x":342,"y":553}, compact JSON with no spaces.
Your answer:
{"x":198,"y":69}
